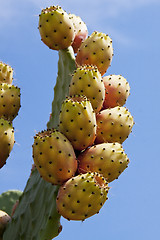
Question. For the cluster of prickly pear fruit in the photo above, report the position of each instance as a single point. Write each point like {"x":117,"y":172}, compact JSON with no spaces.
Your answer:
{"x":9,"y":107}
{"x":85,"y":153}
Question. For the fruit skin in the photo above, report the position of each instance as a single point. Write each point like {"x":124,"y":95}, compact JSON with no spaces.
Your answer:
{"x":114,"y":125}
{"x":82,"y":196}
{"x":78,"y":121}
{"x":54,"y":156}
{"x":108,"y":159}
{"x":6,"y":73}
{"x":81,"y":31}
{"x":97,"y":50}
{"x":87,"y":80}
{"x":55,"y":27}
{"x":6,"y":140}
{"x":117,"y":91}
{"x":9,"y":101}
{"x":4,"y":220}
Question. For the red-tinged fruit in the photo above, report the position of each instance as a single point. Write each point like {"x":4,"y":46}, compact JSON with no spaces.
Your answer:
{"x":6,"y":140}
{"x":6,"y":73}
{"x":81,"y":31}
{"x":82,"y":196}
{"x":117,"y":91}
{"x":108,"y":159}
{"x":96,"y":50}
{"x":78,"y":121}
{"x":54,"y":156}
{"x":87,"y":80}
{"x":9,"y":101}
{"x":55,"y":27}
{"x":4,"y":220}
{"x":114,"y":125}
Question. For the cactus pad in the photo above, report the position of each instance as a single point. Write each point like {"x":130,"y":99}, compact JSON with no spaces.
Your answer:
{"x":8,"y":199}
{"x":35,"y":202}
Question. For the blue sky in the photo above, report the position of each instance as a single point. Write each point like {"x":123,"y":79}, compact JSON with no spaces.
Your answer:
{"x":132,"y":211}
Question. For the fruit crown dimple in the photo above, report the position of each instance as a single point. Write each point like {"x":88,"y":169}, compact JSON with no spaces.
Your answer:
{"x":89,"y":67}
{"x":52,"y":9}
{"x":100,"y":180}
{"x":5,"y":65}
{"x":100,"y":34}
{"x":45,"y":133}
{"x":77,"y":98}
{"x":8,"y":86}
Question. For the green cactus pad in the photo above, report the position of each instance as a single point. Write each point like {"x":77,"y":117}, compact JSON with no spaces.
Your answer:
{"x":36,"y":216}
{"x":37,"y":202}
{"x":66,"y":67}
{"x":8,"y":199}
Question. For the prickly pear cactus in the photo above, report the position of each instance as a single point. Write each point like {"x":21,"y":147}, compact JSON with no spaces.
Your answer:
{"x":35,"y":202}
{"x":8,"y":199}
{"x":82,"y":190}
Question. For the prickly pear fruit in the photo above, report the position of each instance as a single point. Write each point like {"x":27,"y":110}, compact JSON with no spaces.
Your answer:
{"x":81,"y":31}
{"x":108,"y":159}
{"x":6,"y":140}
{"x":78,"y":121}
{"x":97,"y":50}
{"x":4,"y":220}
{"x":9,"y":101}
{"x":54,"y":156}
{"x":6,"y":73}
{"x":117,"y":91}
{"x":82,"y":196}
{"x":87,"y":80}
{"x":55,"y":27}
{"x":114,"y":125}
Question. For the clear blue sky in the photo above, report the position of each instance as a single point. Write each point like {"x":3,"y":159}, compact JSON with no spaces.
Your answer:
{"x":132,"y":211}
